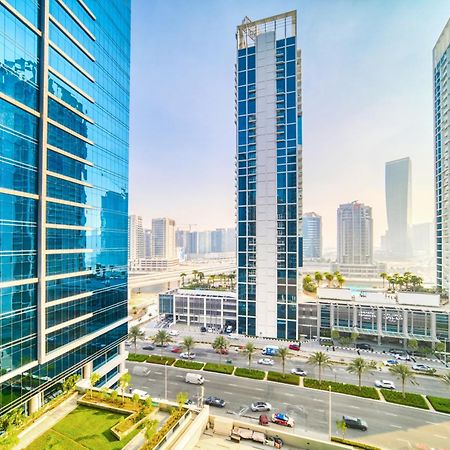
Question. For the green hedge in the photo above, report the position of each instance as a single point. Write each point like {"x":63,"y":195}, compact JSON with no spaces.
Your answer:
{"x":155,"y":359}
{"x":440,"y":404}
{"x":354,"y":444}
{"x":250,"y":373}
{"x":137,"y":357}
{"x":288,"y":378}
{"x":220,"y":368}
{"x":188,"y":364}
{"x":415,"y":400}
{"x":343,"y":388}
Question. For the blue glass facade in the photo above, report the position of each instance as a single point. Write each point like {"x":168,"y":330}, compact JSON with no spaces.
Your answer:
{"x":64,"y":114}
{"x":268,"y":173}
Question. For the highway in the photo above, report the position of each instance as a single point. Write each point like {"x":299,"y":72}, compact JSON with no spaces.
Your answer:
{"x":389,"y":424}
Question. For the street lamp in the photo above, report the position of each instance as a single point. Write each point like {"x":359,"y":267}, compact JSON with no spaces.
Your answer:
{"x":165,"y":380}
{"x":329,"y":412}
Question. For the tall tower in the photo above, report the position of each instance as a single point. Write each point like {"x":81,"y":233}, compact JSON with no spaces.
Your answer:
{"x":354,"y":234}
{"x":398,"y":207}
{"x":441,"y":71}
{"x":63,"y":195}
{"x":269,"y":175}
{"x":163,"y":238}
{"x":312,"y":236}
{"x":136,"y":241}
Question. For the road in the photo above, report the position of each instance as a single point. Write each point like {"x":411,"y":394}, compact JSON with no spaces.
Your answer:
{"x":426,"y":385}
{"x":389,"y":424}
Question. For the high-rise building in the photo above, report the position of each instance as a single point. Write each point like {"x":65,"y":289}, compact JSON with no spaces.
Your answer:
{"x":422,"y":239}
{"x":269,"y":175}
{"x":147,"y":243}
{"x":312,"y":236}
{"x":163,"y":238}
{"x":398,"y":208}
{"x":441,"y":85}
{"x":354,"y":234}
{"x":218,"y":240}
{"x":64,"y":109}
{"x":204,"y":242}
{"x":136,"y":244}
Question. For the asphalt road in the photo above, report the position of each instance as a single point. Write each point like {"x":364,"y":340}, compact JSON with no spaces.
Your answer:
{"x":309,"y":408}
{"x":424,"y":384}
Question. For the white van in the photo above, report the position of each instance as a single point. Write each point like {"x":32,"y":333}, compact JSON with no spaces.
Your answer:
{"x":142,"y":394}
{"x":194,"y":378}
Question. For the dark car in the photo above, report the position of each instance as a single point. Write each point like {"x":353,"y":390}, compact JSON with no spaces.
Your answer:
{"x":363,"y":346}
{"x":203,"y":329}
{"x":263,"y":420}
{"x":354,"y":422}
{"x":148,"y":347}
{"x":295,"y":347}
{"x":215,"y":401}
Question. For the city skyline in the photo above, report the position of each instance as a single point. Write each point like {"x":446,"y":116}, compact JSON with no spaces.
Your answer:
{"x":204,"y":152}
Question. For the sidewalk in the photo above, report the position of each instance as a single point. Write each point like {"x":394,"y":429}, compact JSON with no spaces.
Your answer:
{"x":47,"y":421}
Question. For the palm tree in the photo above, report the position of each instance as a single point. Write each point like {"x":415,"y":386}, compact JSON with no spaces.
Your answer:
{"x":407,"y":279}
{"x":210,"y":280}
{"x":134,"y":334}
{"x":201,"y":276}
{"x":329,"y":277}
{"x":321,"y":360}
{"x":151,"y":426}
{"x":318,"y":277}
{"x":124,"y":382}
{"x":93,"y":380}
{"x":188,"y":343}
{"x":182,"y":276}
{"x":391,"y":282}
{"x":232,"y":277}
{"x":162,"y":338}
{"x":220,"y":345}
{"x":383,"y":275}
{"x":249,"y":349}
{"x":446,"y":379}
{"x":340,"y":279}
{"x":283,"y":353}
{"x":195,"y":273}
{"x":360,"y":366}
{"x":404,"y":373}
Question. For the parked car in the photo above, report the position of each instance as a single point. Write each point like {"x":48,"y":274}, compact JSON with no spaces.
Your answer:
{"x":263,"y":420}
{"x":385,"y":384}
{"x":148,"y":347}
{"x":391,"y":362}
{"x":283,"y":419}
{"x":203,"y":329}
{"x":266,"y":361}
{"x":209,"y":330}
{"x":229,"y":329}
{"x":299,"y":371}
{"x":354,"y":422}
{"x":403,"y":357}
{"x":174,"y":332}
{"x":295,"y":347}
{"x":364,"y":346}
{"x":419,"y":367}
{"x":176,"y":349}
{"x":260,"y":406}
{"x":398,"y":351}
{"x":186,"y":355}
{"x":215,"y":401}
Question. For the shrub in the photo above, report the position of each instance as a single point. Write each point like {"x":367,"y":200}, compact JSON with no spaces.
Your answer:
{"x":188,"y":364}
{"x":415,"y":400}
{"x":440,"y":404}
{"x":354,"y":444}
{"x":156,"y":359}
{"x":343,"y":388}
{"x":220,"y":368}
{"x":172,"y":420}
{"x":250,"y":373}
{"x":288,"y":378}
{"x":136,"y":357}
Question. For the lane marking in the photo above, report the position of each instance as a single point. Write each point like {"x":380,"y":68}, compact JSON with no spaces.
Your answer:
{"x":227,"y":392}
{"x":258,"y":389}
{"x":394,"y":426}
{"x":234,"y":385}
{"x":317,"y":400}
{"x":289,"y":394}
{"x":391,"y":414}
{"x":440,"y":436}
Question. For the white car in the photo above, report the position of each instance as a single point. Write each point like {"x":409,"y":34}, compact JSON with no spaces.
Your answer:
{"x":266,"y":361}
{"x":385,"y":384}
{"x":174,"y":332}
{"x":186,"y":355}
{"x":403,"y":357}
{"x":422,"y":368}
{"x":210,"y":330}
{"x":260,"y":406}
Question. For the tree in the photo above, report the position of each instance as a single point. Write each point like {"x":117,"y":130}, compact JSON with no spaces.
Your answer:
{"x":232,"y":277}
{"x":93,"y":380}
{"x":360,"y":366}
{"x":404,"y":373}
{"x":162,"y":338}
{"x":383,"y":276}
{"x":188,"y":343}
{"x":182,"y":398}
{"x":182,"y":276}
{"x":354,"y":336}
{"x":340,"y":279}
{"x":446,"y":378}
{"x":70,"y":382}
{"x":249,"y":350}
{"x":114,"y":395}
{"x":439,"y":347}
{"x":134,"y":334}
{"x":12,"y":420}
{"x":220,"y":345}
{"x":201,"y":276}
{"x":329,"y":277}
{"x":283,"y":353}
{"x":135,"y":399}
{"x":342,"y":427}
{"x":390,"y":282}
{"x":195,"y":273}
{"x":124,"y":382}
{"x":335,"y":335}
{"x":321,"y":360}
{"x":318,"y":277}
{"x":407,"y":279}
{"x":150,"y":428}
{"x":413,"y":345}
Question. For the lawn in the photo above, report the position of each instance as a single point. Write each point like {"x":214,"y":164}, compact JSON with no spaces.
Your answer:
{"x":83,"y":428}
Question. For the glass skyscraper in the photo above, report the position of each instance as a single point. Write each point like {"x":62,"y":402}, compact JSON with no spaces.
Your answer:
{"x":441,"y":84}
{"x":312,"y":236}
{"x":269,"y":176}
{"x":64,"y":95}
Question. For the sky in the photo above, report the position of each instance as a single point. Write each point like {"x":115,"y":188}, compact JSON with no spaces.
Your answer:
{"x":367,"y":99}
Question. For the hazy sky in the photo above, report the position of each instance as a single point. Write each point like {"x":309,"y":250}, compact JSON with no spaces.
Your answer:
{"x":367,"y":99}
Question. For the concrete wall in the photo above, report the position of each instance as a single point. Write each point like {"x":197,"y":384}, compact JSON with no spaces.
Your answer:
{"x":338,"y":294}
{"x":417,"y":298}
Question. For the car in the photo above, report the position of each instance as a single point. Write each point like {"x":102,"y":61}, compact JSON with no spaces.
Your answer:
{"x":229,"y":329}
{"x":295,"y":347}
{"x":299,"y":371}
{"x":363,"y":346}
{"x":209,"y":330}
{"x":222,"y":351}
{"x":186,"y":355}
{"x":355,"y":422}
{"x":283,"y":419}
{"x":385,"y":384}
{"x":391,"y":362}
{"x":176,"y":349}
{"x":403,"y":357}
{"x":266,"y":361}
{"x":174,"y":332}
{"x":215,"y":401}
{"x":419,"y":367}
{"x":203,"y":329}
{"x":260,"y":406}
{"x":263,"y":420}
{"x":148,"y":347}
{"x":398,"y":351}
{"x":189,"y":402}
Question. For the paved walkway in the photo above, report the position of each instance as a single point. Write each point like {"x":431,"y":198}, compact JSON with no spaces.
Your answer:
{"x":45,"y":422}
{"x":139,"y":440}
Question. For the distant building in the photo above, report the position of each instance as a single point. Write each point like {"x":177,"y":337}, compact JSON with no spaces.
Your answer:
{"x":422,"y":239}
{"x":147,"y":243}
{"x":354,"y":234}
{"x":192,"y":243}
{"x":441,"y":58}
{"x":398,"y":208}
{"x":136,"y":248}
{"x":218,"y":238}
{"x":163,"y":238}
{"x":230,"y":240}
{"x":204,"y":242}
{"x":312,"y":236}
